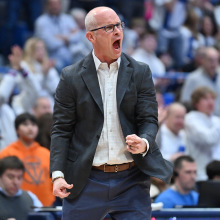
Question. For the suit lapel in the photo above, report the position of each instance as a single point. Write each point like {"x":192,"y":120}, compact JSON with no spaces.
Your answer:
{"x":90,"y":78}
{"x":124,"y":76}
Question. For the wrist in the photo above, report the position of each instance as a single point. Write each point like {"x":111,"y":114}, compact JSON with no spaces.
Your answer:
{"x":58,"y":177}
{"x":23,"y":72}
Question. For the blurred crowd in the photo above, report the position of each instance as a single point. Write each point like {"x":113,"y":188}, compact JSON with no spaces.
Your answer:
{"x":178,"y":39}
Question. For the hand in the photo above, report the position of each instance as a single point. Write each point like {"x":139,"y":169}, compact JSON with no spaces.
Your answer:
{"x":47,"y":65}
{"x":135,"y":144}
{"x":60,"y":186}
{"x":15,"y":57}
{"x":176,"y":155}
{"x":64,"y":38}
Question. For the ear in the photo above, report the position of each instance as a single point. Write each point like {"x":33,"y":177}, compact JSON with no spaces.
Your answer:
{"x":90,"y":36}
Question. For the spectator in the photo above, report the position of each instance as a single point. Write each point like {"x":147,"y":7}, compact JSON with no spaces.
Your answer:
{"x":196,"y":62}
{"x":36,"y":62}
{"x":181,"y":193}
{"x":171,"y":136}
{"x":146,"y":53}
{"x":192,"y":39}
{"x":35,"y":158}
{"x":207,"y":75}
{"x":132,"y":33}
{"x":203,"y":130}
{"x":42,"y":106}
{"x":208,"y":29}
{"x":168,"y":17}
{"x":15,"y":203}
{"x":213,"y":170}
{"x":18,"y":86}
{"x":33,"y":75}
{"x":59,"y":31}
{"x":83,"y":47}
{"x":45,"y":123}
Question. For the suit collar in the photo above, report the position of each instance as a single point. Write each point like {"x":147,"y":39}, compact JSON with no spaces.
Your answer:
{"x":90,"y":78}
{"x":98,"y":62}
{"x":124,"y":76}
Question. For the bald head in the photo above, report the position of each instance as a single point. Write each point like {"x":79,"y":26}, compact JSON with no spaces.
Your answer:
{"x":175,"y":107}
{"x":175,"y":117}
{"x":94,"y":17}
{"x":211,"y":61}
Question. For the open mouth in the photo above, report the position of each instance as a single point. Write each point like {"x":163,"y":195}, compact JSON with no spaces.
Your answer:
{"x":116,"y":44}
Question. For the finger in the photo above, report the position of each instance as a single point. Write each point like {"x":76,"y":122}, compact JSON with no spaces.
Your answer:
{"x":69,"y":186}
{"x":132,"y":149}
{"x":61,"y":194}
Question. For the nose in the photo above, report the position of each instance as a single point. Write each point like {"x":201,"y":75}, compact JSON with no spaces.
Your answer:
{"x":117,"y":30}
{"x":16,"y":181}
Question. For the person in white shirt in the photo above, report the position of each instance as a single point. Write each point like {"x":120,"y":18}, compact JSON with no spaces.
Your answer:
{"x":171,"y":135}
{"x":32,"y":74}
{"x":59,"y":31}
{"x":146,"y":53}
{"x":203,"y":130}
{"x":207,"y":74}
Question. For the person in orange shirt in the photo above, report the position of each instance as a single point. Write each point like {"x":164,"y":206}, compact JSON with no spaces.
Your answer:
{"x":35,"y":158}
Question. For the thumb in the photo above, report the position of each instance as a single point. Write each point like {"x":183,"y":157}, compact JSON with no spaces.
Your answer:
{"x":69,"y":186}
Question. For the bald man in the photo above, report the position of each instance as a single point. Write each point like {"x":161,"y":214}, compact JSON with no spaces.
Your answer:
{"x":171,"y":136}
{"x":103,"y":149}
{"x":207,"y":74}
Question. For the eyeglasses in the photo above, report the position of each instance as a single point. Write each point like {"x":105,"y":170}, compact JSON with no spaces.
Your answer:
{"x":111,"y":27}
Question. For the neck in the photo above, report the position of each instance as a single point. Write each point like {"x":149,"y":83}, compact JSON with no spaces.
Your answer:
{"x":27,"y":143}
{"x":179,"y":189}
{"x":172,"y":130}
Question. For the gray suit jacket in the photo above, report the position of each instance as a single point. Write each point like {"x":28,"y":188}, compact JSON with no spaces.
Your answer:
{"x":78,"y":119}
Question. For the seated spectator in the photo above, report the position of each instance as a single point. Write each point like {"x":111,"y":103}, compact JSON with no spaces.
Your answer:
{"x":32,"y":74}
{"x":35,"y":158}
{"x":45,"y":123}
{"x":207,"y":74}
{"x":208,"y":29}
{"x":15,"y":203}
{"x":196,"y":62}
{"x":18,"y":87}
{"x":181,"y":193}
{"x":213,"y":170}
{"x":36,"y":62}
{"x":42,"y":106}
{"x":146,"y":53}
{"x":192,"y":39}
{"x":171,"y":137}
{"x":83,"y":47}
{"x":168,"y":17}
{"x":59,"y":31}
{"x":202,"y":130}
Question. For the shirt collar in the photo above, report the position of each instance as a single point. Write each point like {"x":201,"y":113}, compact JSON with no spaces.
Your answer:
{"x":98,"y":62}
{"x":19,"y":192}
